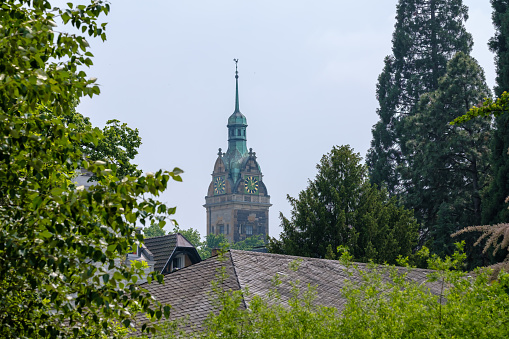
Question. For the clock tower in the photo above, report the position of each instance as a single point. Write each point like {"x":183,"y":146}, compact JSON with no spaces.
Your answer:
{"x":237,"y":200}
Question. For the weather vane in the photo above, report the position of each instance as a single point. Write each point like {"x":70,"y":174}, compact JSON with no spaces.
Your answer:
{"x":236,"y":72}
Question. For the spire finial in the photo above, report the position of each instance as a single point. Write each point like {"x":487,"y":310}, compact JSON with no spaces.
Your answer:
{"x":236,"y":86}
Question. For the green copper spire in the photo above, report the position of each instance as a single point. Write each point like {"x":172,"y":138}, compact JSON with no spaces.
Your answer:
{"x":236,"y":86}
{"x":237,"y":123}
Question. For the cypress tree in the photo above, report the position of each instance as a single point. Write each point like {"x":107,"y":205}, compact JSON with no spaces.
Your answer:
{"x":427,"y":34}
{"x":494,"y":208}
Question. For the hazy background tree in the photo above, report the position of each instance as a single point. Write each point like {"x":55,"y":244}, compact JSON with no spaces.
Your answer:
{"x":341,"y":207}
{"x":154,"y":230}
{"x":427,"y":34}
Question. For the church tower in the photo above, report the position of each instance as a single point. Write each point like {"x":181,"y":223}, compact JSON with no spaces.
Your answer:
{"x":237,"y":201}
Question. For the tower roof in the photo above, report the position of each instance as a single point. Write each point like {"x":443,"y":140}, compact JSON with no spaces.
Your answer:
{"x":237,"y":118}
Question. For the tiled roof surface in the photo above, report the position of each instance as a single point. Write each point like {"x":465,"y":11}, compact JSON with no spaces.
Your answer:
{"x":161,"y":247}
{"x":188,"y":290}
{"x":256,"y":271}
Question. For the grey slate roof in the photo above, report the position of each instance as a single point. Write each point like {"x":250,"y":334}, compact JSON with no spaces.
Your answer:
{"x":188,"y":290}
{"x":164,"y":246}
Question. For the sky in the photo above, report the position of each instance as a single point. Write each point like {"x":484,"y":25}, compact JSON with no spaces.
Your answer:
{"x":307,"y":79}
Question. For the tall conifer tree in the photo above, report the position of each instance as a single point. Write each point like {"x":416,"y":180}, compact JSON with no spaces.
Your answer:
{"x":494,"y":208}
{"x":427,"y":34}
{"x":341,"y":207}
{"x":449,"y":164}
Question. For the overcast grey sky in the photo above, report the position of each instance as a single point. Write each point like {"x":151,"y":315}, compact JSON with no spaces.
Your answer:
{"x":308,"y":72}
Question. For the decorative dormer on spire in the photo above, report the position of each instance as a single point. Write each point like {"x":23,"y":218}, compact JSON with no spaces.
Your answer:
{"x":237,"y":201}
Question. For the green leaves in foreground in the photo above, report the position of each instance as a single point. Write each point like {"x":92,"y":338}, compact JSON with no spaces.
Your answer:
{"x":63,"y":248}
{"x":487,"y":109}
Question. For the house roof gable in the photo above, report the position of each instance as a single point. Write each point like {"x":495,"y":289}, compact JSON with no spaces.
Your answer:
{"x":164,"y":247}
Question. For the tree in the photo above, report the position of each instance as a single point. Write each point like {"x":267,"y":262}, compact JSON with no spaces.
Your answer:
{"x":219,"y":241}
{"x":249,"y":243}
{"x":118,"y":145}
{"x":62,"y":247}
{"x":499,"y":44}
{"x":213,"y":241}
{"x":192,"y":235}
{"x":427,"y":34}
{"x":494,"y":210}
{"x":341,"y":208}
{"x":154,"y":230}
{"x":450,"y":163}
{"x":497,"y":236}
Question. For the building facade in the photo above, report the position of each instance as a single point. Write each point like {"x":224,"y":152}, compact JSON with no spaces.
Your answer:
{"x":237,"y":200}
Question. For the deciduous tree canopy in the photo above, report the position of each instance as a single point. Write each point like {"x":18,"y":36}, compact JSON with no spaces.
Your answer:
{"x":62,"y":248}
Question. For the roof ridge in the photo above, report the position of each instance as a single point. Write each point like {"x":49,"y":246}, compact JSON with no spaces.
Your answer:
{"x":160,"y":236}
{"x":237,"y":278}
{"x":295,"y":257}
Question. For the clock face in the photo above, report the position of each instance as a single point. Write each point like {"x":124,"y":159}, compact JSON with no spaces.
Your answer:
{"x":219,"y":185}
{"x":251,"y":185}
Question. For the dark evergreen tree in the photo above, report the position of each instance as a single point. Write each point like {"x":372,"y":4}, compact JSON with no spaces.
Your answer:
{"x":449,"y":163}
{"x":427,"y":34}
{"x":494,"y":208}
{"x":341,"y":207}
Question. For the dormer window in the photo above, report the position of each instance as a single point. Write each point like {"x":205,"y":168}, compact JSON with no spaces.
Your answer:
{"x":178,"y":262}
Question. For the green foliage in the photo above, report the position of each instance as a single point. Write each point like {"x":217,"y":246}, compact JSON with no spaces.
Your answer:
{"x":494,"y":210}
{"x":450,"y":163}
{"x":427,"y":34}
{"x":468,"y":307}
{"x":499,"y":44}
{"x":154,"y":230}
{"x":487,"y":108}
{"x":213,"y":241}
{"x":62,"y":248}
{"x":118,"y":145}
{"x":218,"y":241}
{"x":383,"y":303}
{"x":341,"y":207}
{"x":249,"y":243}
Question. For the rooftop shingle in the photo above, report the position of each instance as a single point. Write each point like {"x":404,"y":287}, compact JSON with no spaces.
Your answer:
{"x":189,"y":290}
